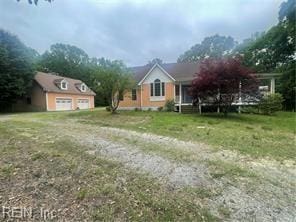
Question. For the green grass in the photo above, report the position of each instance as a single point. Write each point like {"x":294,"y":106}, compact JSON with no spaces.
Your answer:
{"x":61,"y":175}
{"x":255,"y":135}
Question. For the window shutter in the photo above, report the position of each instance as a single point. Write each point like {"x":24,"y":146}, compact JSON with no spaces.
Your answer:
{"x":151,"y":89}
{"x":163,"y":88}
{"x":134,"y":94}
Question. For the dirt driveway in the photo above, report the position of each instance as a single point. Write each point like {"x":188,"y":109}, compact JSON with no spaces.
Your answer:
{"x":241,"y":187}
{"x":250,"y":190}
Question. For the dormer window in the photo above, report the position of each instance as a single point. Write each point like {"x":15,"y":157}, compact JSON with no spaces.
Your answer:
{"x":83,"y":87}
{"x":64,"y":85}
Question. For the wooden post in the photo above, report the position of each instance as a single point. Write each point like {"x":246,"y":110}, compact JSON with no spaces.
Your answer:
{"x":180,"y":97}
{"x":272,"y":85}
{"x":240,"y":96}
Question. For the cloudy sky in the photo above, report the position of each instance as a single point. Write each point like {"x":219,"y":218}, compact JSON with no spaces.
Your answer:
{"x":134,"y":31}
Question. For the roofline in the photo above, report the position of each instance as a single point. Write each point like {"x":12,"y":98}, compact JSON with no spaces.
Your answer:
{"x":82,"y":94}
{"x":61,"y":77}
{"x":162,"y":69}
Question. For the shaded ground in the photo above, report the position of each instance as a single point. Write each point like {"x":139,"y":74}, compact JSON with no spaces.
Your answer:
{"x":232,"y":186}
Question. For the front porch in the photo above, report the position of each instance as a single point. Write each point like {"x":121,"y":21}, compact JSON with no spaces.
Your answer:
{"x":184,"y":102}
{"x":182,"y":97}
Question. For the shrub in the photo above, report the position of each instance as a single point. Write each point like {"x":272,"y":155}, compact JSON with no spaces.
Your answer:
{"x":137,"y":109}
{"x":108,"y":108}
{"x":149,"y":109}
{"x":160,"y":108}
{"x":271,"y":103}
{"x":250,"y":109}
{"x":169,"y":105}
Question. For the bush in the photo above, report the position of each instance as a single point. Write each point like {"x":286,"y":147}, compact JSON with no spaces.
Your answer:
{"x":137,"y":109}
{"x":108,"y":108}
{"x":149,"y":109}
{"x":271,"y":103}
{"x":250,"y":109}
{"x":160,"y":108}
{"x":169,"y":105}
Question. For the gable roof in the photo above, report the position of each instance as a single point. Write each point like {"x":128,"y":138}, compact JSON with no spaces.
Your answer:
{"x":153,"y":67}
{"x":178,"y":71}
{"x":48,"y":82}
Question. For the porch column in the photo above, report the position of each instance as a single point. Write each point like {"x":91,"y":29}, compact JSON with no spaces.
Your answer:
{"x":272,"y":85}
{"x":240,"y":97}
{"x":180,"y":97}
{"x":141,"y":91}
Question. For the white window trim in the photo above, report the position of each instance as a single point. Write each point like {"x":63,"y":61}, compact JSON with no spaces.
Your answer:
{"x":82,"y":99}
{"x":81,"y":87}
{"x":161,"y":97}
{"x":157,"y":98}
{"x":64,"y":88}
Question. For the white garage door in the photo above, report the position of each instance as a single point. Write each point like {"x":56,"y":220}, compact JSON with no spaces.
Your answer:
{"x":83,"y":103}
{"x":63,"y":104}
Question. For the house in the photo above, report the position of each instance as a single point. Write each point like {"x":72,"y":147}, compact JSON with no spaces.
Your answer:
{"x":169,"y":81}
{"x":51,"y":92}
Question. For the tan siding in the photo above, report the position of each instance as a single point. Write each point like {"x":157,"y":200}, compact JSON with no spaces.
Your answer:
{"x":169,"y":94}
{"x":38,"y":97}
{"x":129,"y":103}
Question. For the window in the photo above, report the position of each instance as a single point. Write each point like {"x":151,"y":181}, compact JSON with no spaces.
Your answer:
{"x":121,"y":96}
{"x":64,"y":85}
{"x":134,"y":94}
{"x":177,"y":90}
{"x":151,"y":89}
{"x":83,"y":87}
{"x":157,"y":87}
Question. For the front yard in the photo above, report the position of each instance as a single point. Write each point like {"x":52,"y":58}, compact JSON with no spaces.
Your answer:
{"x":255,"y":135}
{"x":149,"y":166}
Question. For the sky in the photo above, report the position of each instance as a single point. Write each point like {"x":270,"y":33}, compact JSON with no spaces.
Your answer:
{"x":135,"y":31}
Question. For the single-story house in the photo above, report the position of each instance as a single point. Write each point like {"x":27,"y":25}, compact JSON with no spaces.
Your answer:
{"x":51,"y":92}
{"x":169,"y":81}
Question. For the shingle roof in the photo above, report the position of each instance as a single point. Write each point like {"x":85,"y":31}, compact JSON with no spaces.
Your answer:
{"x":179,"y":71}
{"x":48,"y":82}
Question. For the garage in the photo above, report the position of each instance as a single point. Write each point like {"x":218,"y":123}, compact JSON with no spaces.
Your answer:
{"x":63,"y":104}
{"x":83,"y":103}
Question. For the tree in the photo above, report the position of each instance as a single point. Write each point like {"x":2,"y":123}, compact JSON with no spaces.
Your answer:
{"x":155,"y":60}
{"x":36,"y":1}
{"x":274,"y":51}
{"x":112,"y":79}
{"x":276,"y":48}
{"x":66,"y":60}
{"x":288,"y":86}
{"x":215,"y":46}
{"x":271,"y":103}
{"x":16,"y":69}
{"x":287,"y":10}
{"x":220,"y":82}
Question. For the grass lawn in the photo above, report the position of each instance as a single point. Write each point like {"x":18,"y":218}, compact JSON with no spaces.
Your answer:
{"x":255,"y":135}
{"x":39,"y":170}
{"x":42,"y":165}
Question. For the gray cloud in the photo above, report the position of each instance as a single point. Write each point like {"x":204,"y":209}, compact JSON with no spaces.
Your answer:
{"x":134,"y":31}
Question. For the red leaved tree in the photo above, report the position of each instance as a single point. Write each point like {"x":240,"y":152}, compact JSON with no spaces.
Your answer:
{"x":222,"y":82}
